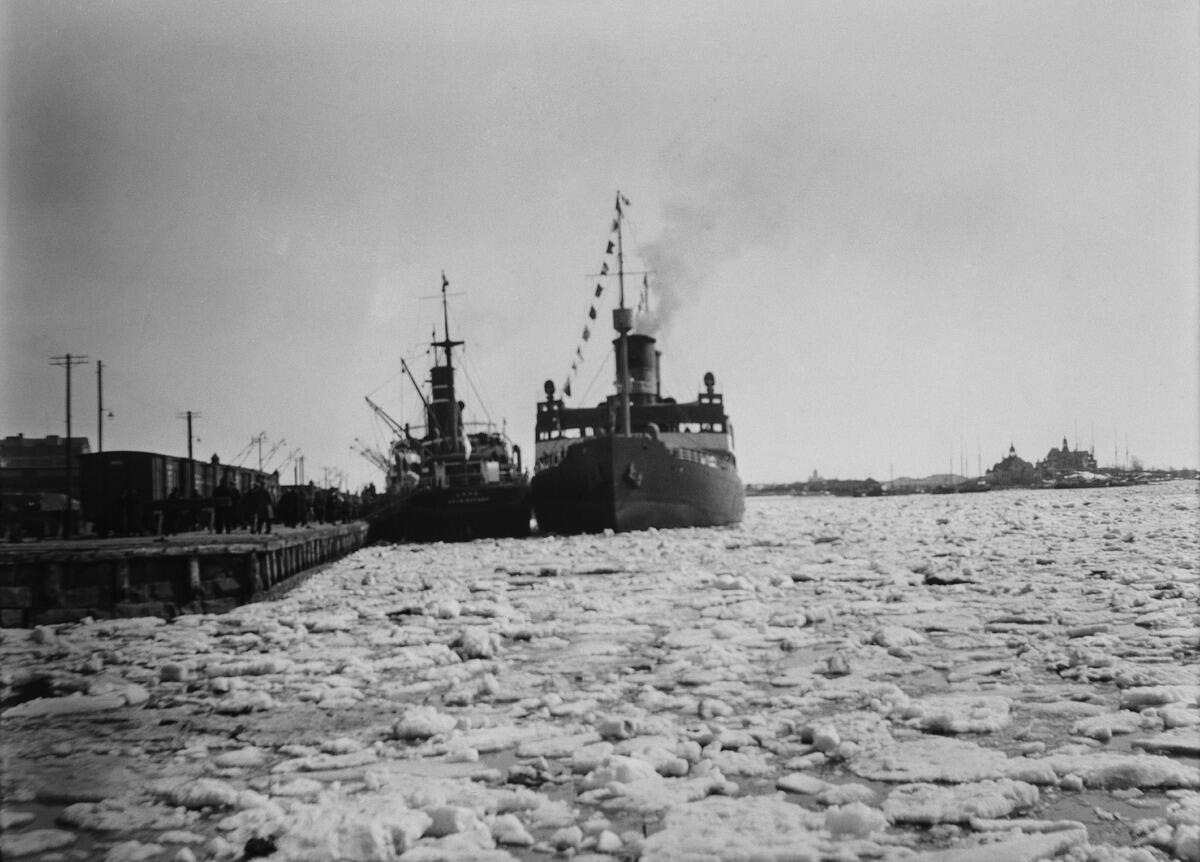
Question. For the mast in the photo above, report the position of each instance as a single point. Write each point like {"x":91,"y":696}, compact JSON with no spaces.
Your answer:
{"x":443,"y":409}
{"x":622,"y":323}
{"x":446,"y":323}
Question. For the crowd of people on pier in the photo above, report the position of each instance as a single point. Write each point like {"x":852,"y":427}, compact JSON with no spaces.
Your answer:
{"x":259,"y":509}
{"x":230,"y":510}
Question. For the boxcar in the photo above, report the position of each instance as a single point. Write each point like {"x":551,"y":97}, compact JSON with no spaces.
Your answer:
{"x":127,"y":492}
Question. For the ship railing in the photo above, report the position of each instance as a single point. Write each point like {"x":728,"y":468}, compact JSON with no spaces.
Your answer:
{"x":417,"y":438}
{"x":707,"y":457}
{"x":460,"y":474}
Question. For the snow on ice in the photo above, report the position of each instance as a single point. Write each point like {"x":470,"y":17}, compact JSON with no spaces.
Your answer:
{"x":1003,"y":676}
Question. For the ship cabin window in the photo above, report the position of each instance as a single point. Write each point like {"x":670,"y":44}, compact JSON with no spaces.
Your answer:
{"x":701,"y":427}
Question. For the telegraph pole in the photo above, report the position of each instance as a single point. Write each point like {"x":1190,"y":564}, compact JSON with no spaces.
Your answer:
{"x":99,"y":406}
{"x":102,"y":467}
{"x":259,"y":438}
{"x":191,"y":477}
{"x":68,"y":361}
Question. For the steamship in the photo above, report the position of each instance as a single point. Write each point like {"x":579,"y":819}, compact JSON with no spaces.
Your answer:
{"x":449,"y":480}
{"x":638,"y":459}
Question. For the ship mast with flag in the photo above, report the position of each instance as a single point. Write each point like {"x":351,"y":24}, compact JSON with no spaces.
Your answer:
{"x":637,"y":460}
{"x":622,"y":315}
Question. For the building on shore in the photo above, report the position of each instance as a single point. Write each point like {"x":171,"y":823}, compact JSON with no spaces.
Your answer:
{"x":34,"y":474}
{"x":1011,"y":471}
{"x":1060,"y":462}
{"x":38,"y":465}
{"x":1014,"y":471}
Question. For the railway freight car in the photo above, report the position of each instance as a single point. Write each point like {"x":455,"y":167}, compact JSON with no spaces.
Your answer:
{"x":135,"y":493}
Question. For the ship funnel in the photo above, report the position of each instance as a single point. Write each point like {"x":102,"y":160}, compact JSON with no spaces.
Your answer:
{"x":643,"y":367}
{"x":443,"y":411}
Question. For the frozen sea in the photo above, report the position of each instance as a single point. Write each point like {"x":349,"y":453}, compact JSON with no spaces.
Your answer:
{"x":1001,"y":676}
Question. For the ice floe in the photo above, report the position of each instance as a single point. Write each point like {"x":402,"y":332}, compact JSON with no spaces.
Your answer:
{"x":1003,"y":676}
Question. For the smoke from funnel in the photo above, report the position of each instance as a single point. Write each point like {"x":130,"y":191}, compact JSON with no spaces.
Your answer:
{"x":736,"y":206}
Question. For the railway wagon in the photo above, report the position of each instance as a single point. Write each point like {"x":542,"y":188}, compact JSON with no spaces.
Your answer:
{"x":126,"y":492}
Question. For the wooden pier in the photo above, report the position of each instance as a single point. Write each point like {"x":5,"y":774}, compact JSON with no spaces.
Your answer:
{"x":57,"y":581}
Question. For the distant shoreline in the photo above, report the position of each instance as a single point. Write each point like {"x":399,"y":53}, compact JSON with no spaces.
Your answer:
{"x":948,"y":483}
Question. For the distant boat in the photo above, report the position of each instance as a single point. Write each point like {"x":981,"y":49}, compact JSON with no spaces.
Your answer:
{"x":966,"y":486}
{"x":637,"y":460}
{"x":455,"y":481}
{"x":1085,"y":479}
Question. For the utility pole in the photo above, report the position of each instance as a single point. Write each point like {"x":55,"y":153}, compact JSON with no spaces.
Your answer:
{"x":68,"y":361}
{"x":101,"y":413}
{"x":259,"y":438}
{"x":102,"y":468}
{"x":191,"y":469}
{"x":99,"y":406}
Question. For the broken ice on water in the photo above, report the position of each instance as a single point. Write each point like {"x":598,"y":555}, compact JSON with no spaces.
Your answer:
{"x":998,"y":676}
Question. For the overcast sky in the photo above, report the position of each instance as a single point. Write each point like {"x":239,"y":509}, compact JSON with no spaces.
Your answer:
{"x":902,"y":235}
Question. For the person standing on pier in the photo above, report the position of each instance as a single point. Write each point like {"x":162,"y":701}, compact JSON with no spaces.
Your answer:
{"x":222,"y":506}
{"x":261,"y":507}
{"x":171,"y":512}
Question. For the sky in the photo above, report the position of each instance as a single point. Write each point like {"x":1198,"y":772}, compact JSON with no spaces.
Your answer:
{"x":902,"y":235}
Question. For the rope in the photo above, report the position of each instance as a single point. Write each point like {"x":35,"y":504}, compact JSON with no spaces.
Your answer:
{"x":478,"y":398}
{"x":592,"y":382}
{"x":639,"y":309}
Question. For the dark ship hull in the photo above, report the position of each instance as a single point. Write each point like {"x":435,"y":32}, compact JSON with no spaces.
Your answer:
{"x":454,"y":514}
{"x":635,"y":483}
{"x":464,"y":514}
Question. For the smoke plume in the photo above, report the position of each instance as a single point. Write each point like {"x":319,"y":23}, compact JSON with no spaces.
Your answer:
{"x":735,"y":204}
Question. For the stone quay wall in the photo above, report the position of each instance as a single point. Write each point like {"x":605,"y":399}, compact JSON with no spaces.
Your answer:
{"x":67,"y":581}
